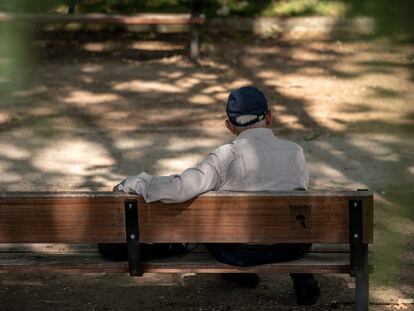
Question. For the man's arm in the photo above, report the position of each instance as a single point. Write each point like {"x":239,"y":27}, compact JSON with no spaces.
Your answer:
{"x":204,"y":177}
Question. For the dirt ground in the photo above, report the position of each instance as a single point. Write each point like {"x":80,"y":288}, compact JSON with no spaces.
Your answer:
{"x":103,"y":106}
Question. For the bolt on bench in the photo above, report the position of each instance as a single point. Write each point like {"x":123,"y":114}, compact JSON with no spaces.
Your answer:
{"x":216,"y":217}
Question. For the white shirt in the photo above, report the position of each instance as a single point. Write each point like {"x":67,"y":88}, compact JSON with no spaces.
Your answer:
{"x":255,"y":161}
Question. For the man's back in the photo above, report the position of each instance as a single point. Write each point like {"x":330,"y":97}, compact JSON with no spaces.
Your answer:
{"x":255,"y":161}
{"x":258,"y":161}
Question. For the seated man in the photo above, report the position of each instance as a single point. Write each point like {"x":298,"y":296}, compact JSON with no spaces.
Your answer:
{"x":255,"y":161}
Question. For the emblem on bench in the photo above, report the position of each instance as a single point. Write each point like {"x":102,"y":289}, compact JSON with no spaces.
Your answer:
{"x":300,"y":217}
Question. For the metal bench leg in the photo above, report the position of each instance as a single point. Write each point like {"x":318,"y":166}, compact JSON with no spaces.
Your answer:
{"x":362,"y":282}
{"x":195,"y":43}
{"x":196,"y":12}
{"x":72,"y":7}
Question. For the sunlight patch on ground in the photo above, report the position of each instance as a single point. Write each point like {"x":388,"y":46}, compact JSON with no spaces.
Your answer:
{"x":375,"y":149}
{"x":267,"y":74}
{"x":240,"y":82}
{"x":323,"y":176}
{"x":5,"y":117}
{"x":136,"y":45}
{"x":187,"y":82}
{"x":387,"y":138}
{"x":116,"y":115}
{"x":154,"y":279}
{"x":206,"y":76}
{"x":325,"y":171}
{"x":8,"y":176}
{"x":98,"y":46}
{"x":290,"y":121}
{"x":306,"y":56}
{"x":88,"y":98}
{"x":31,"y":92}
{"x":72,"y":157}
{"x":219,"y":92}
{"x":183,"y":144}
{"x":92,"y":68}
{"x":214,"y":89}
{"x":200,"y":99}
{"x":147,"y":86}
{"x":43,"y":111}
{"x":177,"y":165}
{"x":387,"y":294}
{"x":12,"y":152}
{"x":213,"y":64}
{"x":125,"y":143}
{"x":171,"y":75}
{"x":264,"y":50}
{"x":155,"y":45}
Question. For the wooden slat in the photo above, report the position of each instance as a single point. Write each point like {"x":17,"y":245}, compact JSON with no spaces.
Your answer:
{"x":138,"y":19}
{"x":62,"y":219}
{"x":210,"y":218}
{"x":59,"y":248}
{"x":48,"y":248}
{"x":192,"y":263}
{"x":252,"y":218}
{"x":105,"y":194}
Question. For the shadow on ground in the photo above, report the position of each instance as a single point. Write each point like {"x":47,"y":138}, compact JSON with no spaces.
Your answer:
{"x":99,"y":108}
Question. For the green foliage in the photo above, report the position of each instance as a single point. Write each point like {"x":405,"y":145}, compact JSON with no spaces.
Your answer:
{"x":390,"y":15}
{"x":305,"y":7}
{"x":134,"y":6}
{"x":14,"y":52}
{"x":38,"y":6}
{"x":375,"y":8}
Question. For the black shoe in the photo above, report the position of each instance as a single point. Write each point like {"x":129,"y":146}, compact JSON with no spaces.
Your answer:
{"x":307,"y":294}
{"x":249,"y":280}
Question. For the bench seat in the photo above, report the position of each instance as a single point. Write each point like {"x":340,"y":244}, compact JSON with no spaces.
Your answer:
{"x":66,"y":219}
{"x":321,"y":259}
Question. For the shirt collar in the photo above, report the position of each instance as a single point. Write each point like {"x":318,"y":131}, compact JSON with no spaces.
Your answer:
{"x":255,"y":133}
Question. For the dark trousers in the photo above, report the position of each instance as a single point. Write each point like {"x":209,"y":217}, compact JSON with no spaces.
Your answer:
{"x":246,"y":255}
{"x":243,"y":255}
{"x":119,"y":251}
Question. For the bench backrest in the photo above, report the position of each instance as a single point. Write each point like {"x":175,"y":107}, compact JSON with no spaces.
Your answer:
{"x":273,"y":217}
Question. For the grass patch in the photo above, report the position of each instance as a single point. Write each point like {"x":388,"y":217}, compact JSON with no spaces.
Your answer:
{"x":215,"y":8}
{"x":305,"y":8}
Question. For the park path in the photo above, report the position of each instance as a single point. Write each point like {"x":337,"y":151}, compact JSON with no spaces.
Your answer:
{"x":112,"y":108}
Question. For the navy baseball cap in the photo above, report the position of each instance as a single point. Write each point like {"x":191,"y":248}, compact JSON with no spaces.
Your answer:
{"x":247,"y":100}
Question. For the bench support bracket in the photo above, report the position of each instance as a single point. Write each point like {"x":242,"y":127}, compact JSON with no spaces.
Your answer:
{"x":358,"y":255}
{"x":132,"y":237}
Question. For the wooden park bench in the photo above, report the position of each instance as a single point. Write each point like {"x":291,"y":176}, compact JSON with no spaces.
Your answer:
{"x":194,"y":20}
{"x":331,"y":218}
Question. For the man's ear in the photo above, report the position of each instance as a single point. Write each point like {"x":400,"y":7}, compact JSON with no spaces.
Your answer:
{"x":269,"y":119}
{"x":231,"y":127}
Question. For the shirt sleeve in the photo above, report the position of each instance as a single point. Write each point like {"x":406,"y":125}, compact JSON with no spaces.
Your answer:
{"x":206,"y":176}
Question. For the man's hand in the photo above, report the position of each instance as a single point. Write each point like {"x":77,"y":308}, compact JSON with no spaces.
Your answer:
{"x":128,"y":185}
{"x":118,"y":188}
